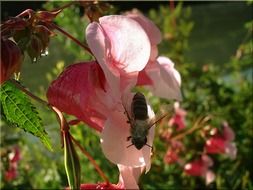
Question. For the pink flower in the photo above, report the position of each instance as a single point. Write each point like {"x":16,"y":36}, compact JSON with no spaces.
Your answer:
{"x":200,"y":168}
{"x":222,"y":143}
{"x":95,"y":92}
{"x":179,"y":117}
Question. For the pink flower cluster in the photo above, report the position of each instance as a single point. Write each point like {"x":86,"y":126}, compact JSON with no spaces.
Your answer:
{"x":126,"y":55}
{"x":216,"y":142}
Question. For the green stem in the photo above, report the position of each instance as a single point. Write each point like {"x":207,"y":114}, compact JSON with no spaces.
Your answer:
{"x":71,"y":37}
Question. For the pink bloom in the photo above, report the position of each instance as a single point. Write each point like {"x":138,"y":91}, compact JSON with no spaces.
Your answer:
{"x":179,"y":117}
{"x":222,"y":143}
{"x":200,"y":168}
{"x":95,"y":91}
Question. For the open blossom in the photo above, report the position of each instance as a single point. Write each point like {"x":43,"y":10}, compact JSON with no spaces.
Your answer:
{"x":222,"y":143}
{"x":96,"y":92}
{"x":200,"y":167}
{"x":178,"y":119}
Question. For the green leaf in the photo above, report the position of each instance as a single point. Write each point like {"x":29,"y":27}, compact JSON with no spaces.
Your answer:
{"x":18,"y":109}
{"x":72,"y":163}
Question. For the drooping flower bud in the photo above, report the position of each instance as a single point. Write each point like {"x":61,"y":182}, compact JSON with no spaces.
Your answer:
{"x":11,"y":59}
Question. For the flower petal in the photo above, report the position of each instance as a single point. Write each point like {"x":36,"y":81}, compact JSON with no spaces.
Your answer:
{"x":75,"y":92}
{"x":231,"y":150}
{"x":207,"y":160}
{"x":210,"y":177}
{"x":215,"y":145}
{"x":100,"y":46}
{"x":166,"y":80}
{"x":129,"y":176}
{"x":228,"y":132}
{"x":130,"y":46}
{"x":150,"y":28}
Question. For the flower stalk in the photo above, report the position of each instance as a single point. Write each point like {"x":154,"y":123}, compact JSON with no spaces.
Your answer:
{"x":71,"y":37}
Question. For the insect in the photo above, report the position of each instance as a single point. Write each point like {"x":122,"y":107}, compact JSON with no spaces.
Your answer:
{"x":139,"y":121}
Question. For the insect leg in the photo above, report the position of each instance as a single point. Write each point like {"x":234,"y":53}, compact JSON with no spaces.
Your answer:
{"x":150,"y":147}
{"x":128,"y":116}
{"x":130,"y":145}
{"x":128,"y":138}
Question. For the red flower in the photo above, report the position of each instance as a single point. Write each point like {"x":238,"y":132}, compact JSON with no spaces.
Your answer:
{"x":12,"y":172}
{"x":200,"y":168}
{"x":221,"y":143}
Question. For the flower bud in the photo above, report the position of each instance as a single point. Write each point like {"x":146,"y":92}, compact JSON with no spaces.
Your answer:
{"x":11,"y":59}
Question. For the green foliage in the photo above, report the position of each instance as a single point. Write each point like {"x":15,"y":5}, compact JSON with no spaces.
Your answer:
{"x":18,"y":110}
{"x":73,"y":22}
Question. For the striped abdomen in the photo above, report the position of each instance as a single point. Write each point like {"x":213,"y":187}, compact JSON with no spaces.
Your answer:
{"x":139,"y":107}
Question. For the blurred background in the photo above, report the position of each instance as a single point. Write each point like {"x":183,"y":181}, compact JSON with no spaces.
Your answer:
{"x":211,"y":46}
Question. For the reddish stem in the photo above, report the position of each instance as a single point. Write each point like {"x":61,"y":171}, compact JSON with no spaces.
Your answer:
{"x":71,"y":37}
{"x":19,"y":86}
{"x":172,"y":8}
{"x":101,"y":173}
{"x":197,"y":125}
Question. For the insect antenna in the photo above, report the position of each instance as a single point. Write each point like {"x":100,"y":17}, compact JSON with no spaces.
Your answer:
{"x":157,"y":121}
{"x":130,"y":145}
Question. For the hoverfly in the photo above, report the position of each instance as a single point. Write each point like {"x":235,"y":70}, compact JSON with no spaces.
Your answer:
{"x":139,"y":121}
